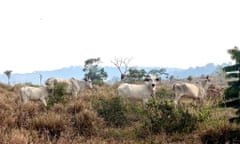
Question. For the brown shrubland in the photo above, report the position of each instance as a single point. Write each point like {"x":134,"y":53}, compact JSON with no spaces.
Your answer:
{"x":79,"y":120}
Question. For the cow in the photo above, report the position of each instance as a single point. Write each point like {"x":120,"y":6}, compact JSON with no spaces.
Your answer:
{"x":141,"y":92}
{"x":86,"y":83}
{"x":73,"y":86}
{"x":191,"y":91}
{"x":34,"y":93}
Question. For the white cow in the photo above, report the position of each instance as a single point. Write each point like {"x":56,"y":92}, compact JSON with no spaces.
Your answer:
{"x":192,"y":91}
{"x":139,"y":91}
{"x":34,"y":93}
{"x":73,"y":86}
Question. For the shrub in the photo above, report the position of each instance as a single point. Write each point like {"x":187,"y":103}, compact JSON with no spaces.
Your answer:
{"x":51,"y":124}
{"x":164,"y":93}
{"x":58,"y":95}
{"x":85,"y":123}
{"x":98,"y":82}
{"x":75,"y":107}
{"x":112,"y":110}
{"x":224,"y":133}
{"x":27,"y":112}
{"x":203,"y":113}
{"x":162,"y":116}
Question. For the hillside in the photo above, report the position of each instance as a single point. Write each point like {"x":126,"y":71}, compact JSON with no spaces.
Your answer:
{"x":113,"y":73}
{"x":97,"y":116}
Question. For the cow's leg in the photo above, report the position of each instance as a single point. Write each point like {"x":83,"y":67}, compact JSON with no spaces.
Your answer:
{"x":74,"y":94}
{"x":176,"y":99}
{"x":24,"y":100}
{"x":44,"y":101}
{"x":144,"y":101}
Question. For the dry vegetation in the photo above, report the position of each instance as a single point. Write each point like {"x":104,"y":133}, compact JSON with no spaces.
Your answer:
{"x":97,"y":116}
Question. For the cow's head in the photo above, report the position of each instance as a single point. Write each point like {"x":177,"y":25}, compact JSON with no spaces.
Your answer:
{"x":88,"y":82}
{"x":206,"y":82}
{"x":50,"y":83}
{"x":151,"y":82}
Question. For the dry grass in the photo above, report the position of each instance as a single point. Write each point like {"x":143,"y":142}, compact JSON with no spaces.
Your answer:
{"x":77,"y":122}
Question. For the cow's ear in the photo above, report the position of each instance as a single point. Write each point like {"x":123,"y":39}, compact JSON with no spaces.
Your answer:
{"x":207,"y":78}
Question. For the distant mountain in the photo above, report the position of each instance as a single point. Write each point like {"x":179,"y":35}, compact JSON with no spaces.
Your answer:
{"x":113,"y":73}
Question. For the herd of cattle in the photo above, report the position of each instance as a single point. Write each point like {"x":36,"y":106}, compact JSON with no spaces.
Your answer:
{"x":72,"y":87}
{"x":143,"y":92}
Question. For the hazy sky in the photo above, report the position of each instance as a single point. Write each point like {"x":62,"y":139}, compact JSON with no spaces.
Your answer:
{"x":51,"y":34}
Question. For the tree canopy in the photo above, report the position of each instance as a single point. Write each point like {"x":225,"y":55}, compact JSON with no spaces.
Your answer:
{"x":93,"y":71}
{"x":231,"y":94}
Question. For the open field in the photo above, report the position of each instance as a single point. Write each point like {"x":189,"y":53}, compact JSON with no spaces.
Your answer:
{"x":94,"y":117}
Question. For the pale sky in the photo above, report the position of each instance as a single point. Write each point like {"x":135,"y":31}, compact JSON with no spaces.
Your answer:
{"x":51,"y":34}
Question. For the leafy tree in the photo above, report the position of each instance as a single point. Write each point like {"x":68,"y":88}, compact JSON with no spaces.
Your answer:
{"x":189,"y":78}
{"x":93,"y":71}
{"x":171,"y":78}
{"x":8,"y":74}
{"x":231,"y":94}
{"x":158,"y":72}
{"x":136,"y":75}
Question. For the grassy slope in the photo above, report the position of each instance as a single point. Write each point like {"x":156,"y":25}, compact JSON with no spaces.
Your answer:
{"x":77,"y":122}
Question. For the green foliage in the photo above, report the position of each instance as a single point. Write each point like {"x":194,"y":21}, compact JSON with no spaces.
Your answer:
{"x":162,"y":116}
{"x":112,"y":110}
{"x":158,"y":72}
{"x":135,"y":74}
{"x":93,"y":71}
{"x":231,"y":94}
{"x":202,"y":114}
{"x":189,"y":78}
{"x":164,"y":93}
{"x":235,"y":54}
{"x":171,"y":78}
{"x":98,"y":82}
{"x":57,"y":95}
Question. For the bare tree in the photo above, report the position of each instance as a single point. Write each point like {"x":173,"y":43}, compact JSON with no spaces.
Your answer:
{"x":122,"y":65}
{"x":8,"y":74}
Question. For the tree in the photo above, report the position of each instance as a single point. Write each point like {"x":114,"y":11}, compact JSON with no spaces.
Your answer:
{"x":135,"y":74}
{"x":122,"y":65}
{"x":171,"y":78}
{"x":158,"y":72}
{"x":231,"y":94}
{"x":189,"y":78}
{"x":8,"y":74}
{"x":92,"y":70}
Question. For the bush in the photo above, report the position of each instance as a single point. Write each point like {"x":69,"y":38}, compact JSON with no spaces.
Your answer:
{"x":112,"y":110}
{"x":98,"y":82}
{"x":58,"y":95}
{"x":162,"y":116}
{"x":164,"y":93}
{"x":86,"y":123}
{"x":224,"y":133}
{"x":51,"y":124}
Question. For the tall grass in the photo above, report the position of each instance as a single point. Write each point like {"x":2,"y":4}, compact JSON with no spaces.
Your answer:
{"x":99,"y":116}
